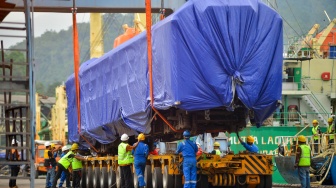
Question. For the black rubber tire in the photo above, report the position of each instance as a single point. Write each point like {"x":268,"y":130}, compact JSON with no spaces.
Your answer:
{"x":135,"y":179}
{"x":118,"y":177}
{"x":96,"y":177}
{"x":268,"y":180}
{"x":242,"y":180}
{"x":112,"y":183}
{"x":167,"y":180}
{"x":148,"y":176}
{"x":103,"y":178}
{"x":157,"y":178}
{"x":178,"y":181}
{"x":84,"y":174}
{"x":89,"y":177}
{"x":202,"y":181}
{"x":262,"y":182}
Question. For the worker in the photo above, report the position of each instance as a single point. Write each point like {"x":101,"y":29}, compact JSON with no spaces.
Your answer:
{"x":249,"y":146}
{"x":155,"y":150}
{"x":77,"y":166}
{"x":316,"y":131}
{"x":14,"y":156}
{"x":50,"y":162}
{"x":54,"y":151}
{"x":302,"y":161}
{"x":65,"y":150}
{"x":64,"y":163}
{"x":199,"y":149}
{"x":125,"y":160}
{"x":331,"y":130}
{"x":140,"y":154}
{"x":188,"y":150}
{"x":216,"y":150}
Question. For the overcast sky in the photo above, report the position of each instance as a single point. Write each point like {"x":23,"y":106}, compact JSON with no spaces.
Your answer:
{"x":42,"y":23}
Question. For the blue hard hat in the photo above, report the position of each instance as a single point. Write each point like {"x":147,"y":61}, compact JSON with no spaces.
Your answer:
{"x":186,"y":133}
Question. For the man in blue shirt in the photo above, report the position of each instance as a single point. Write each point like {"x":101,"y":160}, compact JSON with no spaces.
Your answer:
{"x":140,"y":154}
{"x":188,"y":149}
{"x":249,"y":146}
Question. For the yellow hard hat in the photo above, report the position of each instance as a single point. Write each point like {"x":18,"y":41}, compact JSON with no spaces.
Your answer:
{"x":74,"y":146}
{"x":216,"y":144}
{"x":141,"y":136}
{"x":250,"y":139}
{"x":315,"y":121}
{"x":52,"y":145}
{"x":330,"y":120}
{"x":302,"y":138}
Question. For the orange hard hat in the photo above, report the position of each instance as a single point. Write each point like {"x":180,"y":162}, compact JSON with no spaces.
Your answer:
{"x":250,"y":139}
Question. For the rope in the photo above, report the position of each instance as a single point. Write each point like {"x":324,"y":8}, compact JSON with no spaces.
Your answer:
{"x":325,"y":175}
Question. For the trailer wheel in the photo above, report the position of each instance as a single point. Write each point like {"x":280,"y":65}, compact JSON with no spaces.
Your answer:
{"x":262,"y":182}
{"x":89,"y":177}
{"x":178,"y":181}
{"x":112,"y":178}
{"x":83,"y":182}
{"x":118,"y":177}
{"x":103,"y":177}
{"x":96,"y":177}
{"x":135,"y":179}
{"x":202,"y":181}
{"x":241,"y":181}
{"x":148,"y":176}
{"x":268,"y":180}
{"x":157,"y":178}
{"x":167,"y":180}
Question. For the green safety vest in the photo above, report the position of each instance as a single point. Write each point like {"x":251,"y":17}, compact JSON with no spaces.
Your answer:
{"x":305,"y":155}
{"x":76,"y":164}
{"x":314,"y":130}
{"x":217,"y":152}
{"x":124,"y":158}
{"x":330,"y":131}
{"x":65,"y":161}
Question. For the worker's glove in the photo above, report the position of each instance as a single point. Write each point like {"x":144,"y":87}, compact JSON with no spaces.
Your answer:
{"x":86,"y":158}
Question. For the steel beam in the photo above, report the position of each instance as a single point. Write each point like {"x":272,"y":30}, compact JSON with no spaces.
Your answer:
{"x":98,"y":6}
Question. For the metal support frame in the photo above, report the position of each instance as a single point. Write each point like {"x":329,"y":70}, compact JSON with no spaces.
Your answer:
{"x":18,"y":111}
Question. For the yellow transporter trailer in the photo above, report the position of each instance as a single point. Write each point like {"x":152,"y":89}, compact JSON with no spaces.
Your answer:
{"x":239,"y":170}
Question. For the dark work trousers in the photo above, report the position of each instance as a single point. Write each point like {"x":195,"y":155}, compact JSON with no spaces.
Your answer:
{"x":316,"y":146}
{"x":14,"y":173}
{"x":126,"y":180}
{"x":76,"y":178}
{"x":58,"y":175}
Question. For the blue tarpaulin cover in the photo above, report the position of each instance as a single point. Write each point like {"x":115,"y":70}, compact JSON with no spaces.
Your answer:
{"x":203,"y":55}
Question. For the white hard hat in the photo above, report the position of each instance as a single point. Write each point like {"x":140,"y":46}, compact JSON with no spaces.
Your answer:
{"x":46,"y":144}
{"x":124,"y":137}
{"x":64,"y":148}
{"x":14,"y":142}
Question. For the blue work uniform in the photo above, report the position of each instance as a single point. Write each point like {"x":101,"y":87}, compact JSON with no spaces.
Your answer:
{"x":189,"y":150}
{"x":140,"y":154}
{"x":251,"y":148}
{"x":63,"y":175}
